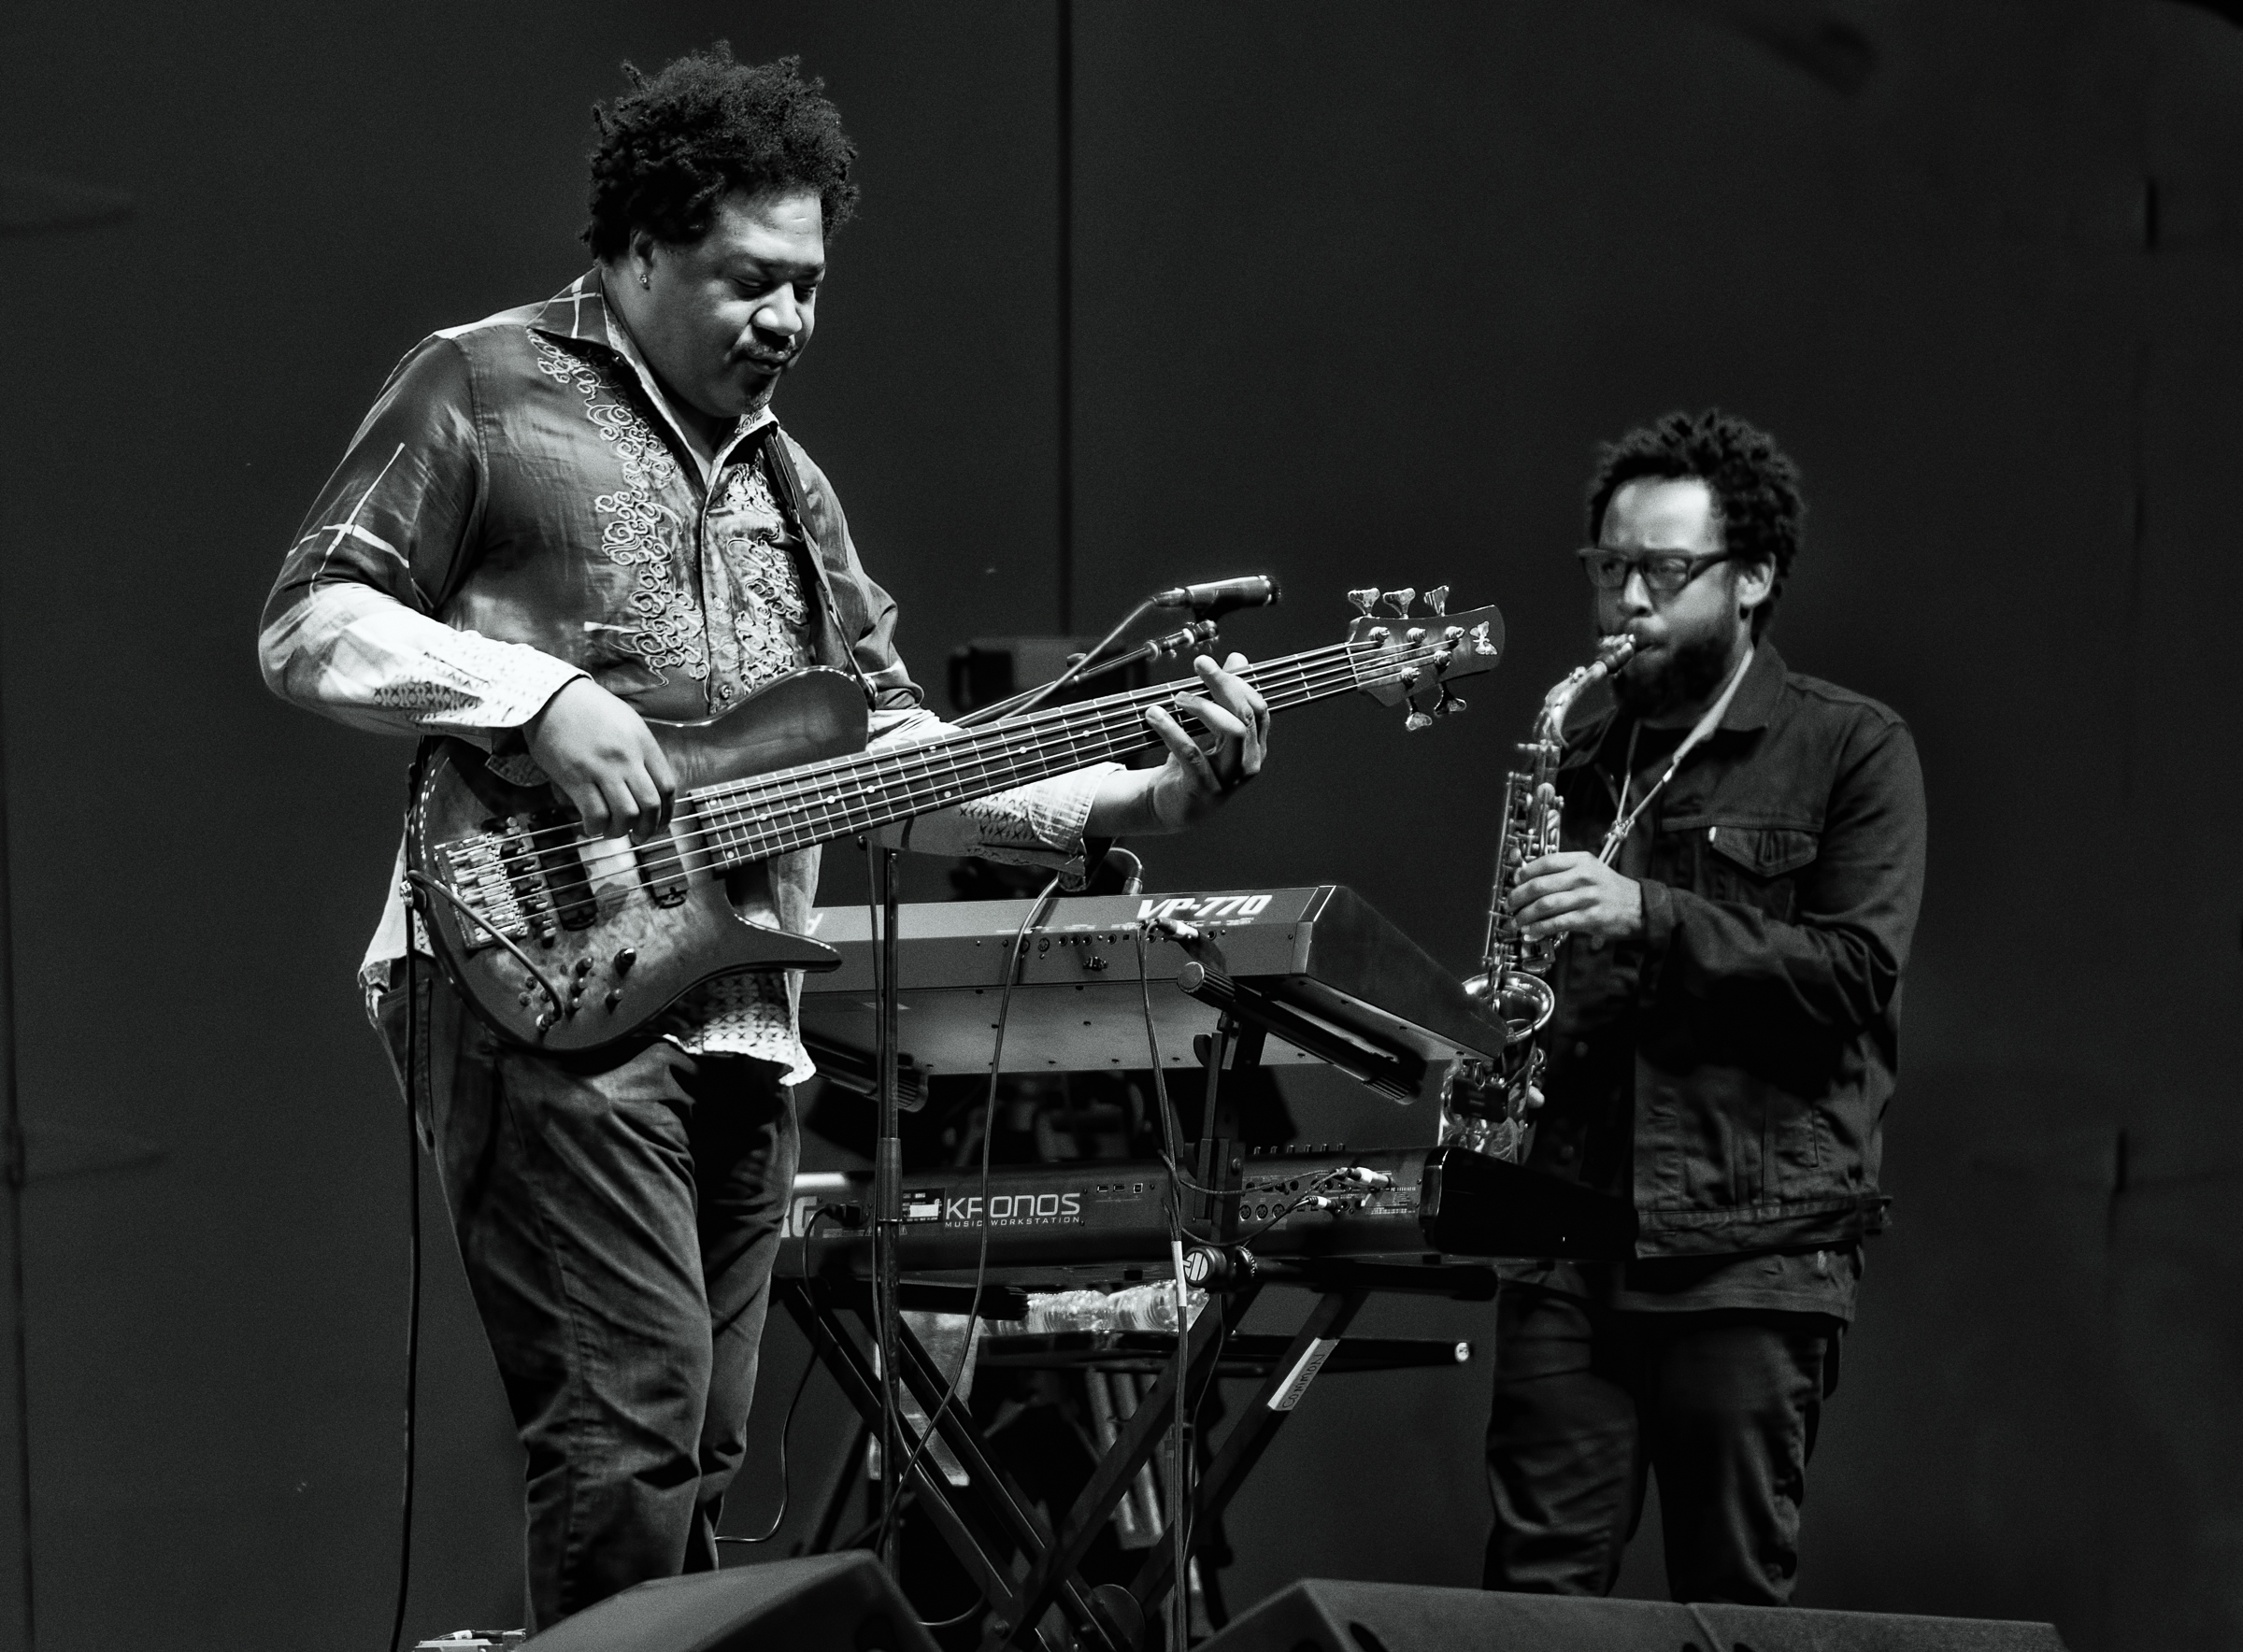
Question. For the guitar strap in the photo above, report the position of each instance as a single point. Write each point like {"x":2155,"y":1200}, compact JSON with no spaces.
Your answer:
{"x":780,"y":463}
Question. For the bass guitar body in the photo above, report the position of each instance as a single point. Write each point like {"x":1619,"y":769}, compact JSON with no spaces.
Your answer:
{"x":564,"y":943}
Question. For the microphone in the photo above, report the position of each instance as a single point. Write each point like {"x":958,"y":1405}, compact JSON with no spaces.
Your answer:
{"x":1251,"y":591}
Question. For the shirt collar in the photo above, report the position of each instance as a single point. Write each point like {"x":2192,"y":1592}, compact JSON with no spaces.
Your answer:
{"x":577,"y":311}
{"x":1756,"y":696}
{"x":580,"y":311}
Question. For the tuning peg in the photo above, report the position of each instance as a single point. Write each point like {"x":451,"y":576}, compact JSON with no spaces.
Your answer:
{"x":1436,"y":600}
{"x":1414,"y":636}
{"x":1365,"y":599}
{"x":1407,"y":677}
{"x":1417,"y":721}
{"x":1402,"y":598}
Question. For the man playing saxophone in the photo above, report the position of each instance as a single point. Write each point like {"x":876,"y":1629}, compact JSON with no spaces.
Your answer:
{"x":1741,"y":863}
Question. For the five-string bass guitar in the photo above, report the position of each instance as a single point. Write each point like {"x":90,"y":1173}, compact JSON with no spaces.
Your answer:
{"x":565,"y":944}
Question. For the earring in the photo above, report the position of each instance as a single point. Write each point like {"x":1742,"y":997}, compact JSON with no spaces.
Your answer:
{"x":645,"y":281}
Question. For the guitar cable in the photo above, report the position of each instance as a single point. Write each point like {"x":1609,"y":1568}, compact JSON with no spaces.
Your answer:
{"x":786,"y":1484}
{"x":1183,"y":1497}
{"x":412,"y":1309}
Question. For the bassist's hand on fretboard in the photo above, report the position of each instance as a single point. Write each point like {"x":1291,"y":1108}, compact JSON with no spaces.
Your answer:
{"x":1192,"y":783}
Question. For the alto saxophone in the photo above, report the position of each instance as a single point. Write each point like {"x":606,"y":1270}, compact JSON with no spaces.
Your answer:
{"x":1484,"y":1104}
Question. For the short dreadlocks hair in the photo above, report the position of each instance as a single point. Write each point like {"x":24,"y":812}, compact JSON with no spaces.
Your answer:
{"x":1755,"y":488}
{"x":702,"y":126}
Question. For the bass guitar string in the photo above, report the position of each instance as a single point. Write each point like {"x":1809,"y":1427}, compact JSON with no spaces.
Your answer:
{"x":921,"y":777}
{"x":926,"y":775}
{"x":865,"y":765}
{"x":1023,"y":753}
{"x":918,"y":788}
{"x":670,"y":861}
{"x":824,"y":790}
{"x":790,"y":813}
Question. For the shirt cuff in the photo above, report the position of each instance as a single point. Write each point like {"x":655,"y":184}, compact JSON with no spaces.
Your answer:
{"x":1039,"y":825}
{"x":477,"y":688}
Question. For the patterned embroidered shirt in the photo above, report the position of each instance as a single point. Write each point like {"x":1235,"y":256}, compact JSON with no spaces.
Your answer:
{"x":520,"y":508}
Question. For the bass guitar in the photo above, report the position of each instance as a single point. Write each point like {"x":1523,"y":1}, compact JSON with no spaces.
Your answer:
{"x":565,"y":944}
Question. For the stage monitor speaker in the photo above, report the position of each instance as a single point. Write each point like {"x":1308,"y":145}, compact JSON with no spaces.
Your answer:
{"x":1320,"y":1615}
{"x":821,"y":1603}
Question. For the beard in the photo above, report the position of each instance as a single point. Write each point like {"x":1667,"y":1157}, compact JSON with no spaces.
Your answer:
{"x":1686,"y":677}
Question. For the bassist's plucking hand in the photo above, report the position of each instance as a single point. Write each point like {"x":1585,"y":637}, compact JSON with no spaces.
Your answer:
{"x":601,"y":755}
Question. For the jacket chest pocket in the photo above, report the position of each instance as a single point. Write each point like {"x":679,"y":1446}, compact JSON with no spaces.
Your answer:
{"x":1756,"y":866}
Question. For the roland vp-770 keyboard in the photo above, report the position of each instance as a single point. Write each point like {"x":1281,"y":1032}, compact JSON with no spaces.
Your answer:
{"x":1329,"y":979}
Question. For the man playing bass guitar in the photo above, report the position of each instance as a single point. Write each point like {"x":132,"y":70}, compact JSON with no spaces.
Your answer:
{"x":555,"y":523}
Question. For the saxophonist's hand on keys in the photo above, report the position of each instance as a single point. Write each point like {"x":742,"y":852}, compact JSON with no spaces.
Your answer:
{"x":1573,"y":893}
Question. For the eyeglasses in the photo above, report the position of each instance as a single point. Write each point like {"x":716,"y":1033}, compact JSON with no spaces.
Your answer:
{"x":1664,"y":573}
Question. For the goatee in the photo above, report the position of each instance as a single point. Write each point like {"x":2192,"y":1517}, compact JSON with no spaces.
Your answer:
{"x":1688,"y":677}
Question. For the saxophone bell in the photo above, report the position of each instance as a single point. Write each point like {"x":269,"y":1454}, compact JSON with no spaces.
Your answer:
{"x":1522,"y":1002}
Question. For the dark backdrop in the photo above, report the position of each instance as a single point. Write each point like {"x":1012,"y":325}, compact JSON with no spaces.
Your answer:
{"x":1356,"y":289}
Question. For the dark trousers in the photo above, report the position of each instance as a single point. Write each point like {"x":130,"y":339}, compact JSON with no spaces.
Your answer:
{"x":618,"y":1220}
{"x":1723,"y":1405}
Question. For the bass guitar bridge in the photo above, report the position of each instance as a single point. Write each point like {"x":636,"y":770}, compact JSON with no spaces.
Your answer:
{"x":520,"y":878}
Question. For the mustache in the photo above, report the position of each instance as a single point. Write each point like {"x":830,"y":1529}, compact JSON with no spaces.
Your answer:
{"x":1685,"y":672}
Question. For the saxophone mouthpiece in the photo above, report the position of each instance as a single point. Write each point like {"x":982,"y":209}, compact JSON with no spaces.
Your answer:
{"x":1612,"y":653}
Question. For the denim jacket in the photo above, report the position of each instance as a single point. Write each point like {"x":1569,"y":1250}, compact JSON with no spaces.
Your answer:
{"x":1729,"y":1069}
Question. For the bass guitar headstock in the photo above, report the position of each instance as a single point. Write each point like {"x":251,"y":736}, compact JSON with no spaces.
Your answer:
{"x":1399,"y":658}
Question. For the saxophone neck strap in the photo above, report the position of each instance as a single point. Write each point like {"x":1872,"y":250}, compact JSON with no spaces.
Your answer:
{"x":1699,"y":732}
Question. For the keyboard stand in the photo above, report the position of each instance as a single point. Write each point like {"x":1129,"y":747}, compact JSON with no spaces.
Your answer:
{"x":1025,"y":1567}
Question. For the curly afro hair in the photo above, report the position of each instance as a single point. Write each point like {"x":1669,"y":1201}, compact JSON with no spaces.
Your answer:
{"x":701,"y":127}
{"x":1755,"y":488}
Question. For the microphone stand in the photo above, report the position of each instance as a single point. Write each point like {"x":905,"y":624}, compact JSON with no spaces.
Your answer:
{"x":1217,"y":596}
{"x":1021,"y":704}
{"x":1198,"y":634}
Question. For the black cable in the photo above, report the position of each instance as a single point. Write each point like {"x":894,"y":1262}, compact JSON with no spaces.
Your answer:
{"x":810,"y":1364}
{"x":979,"y":1605}
{"x":421,"y":880}
{"x":1180,"y":1492}
{"x":883,"y":1307}
{"x":412,"y":1310}
{"x":1185,"y":1513}
{"x":1170,"y":1131}
{"x":989,"y":1129}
